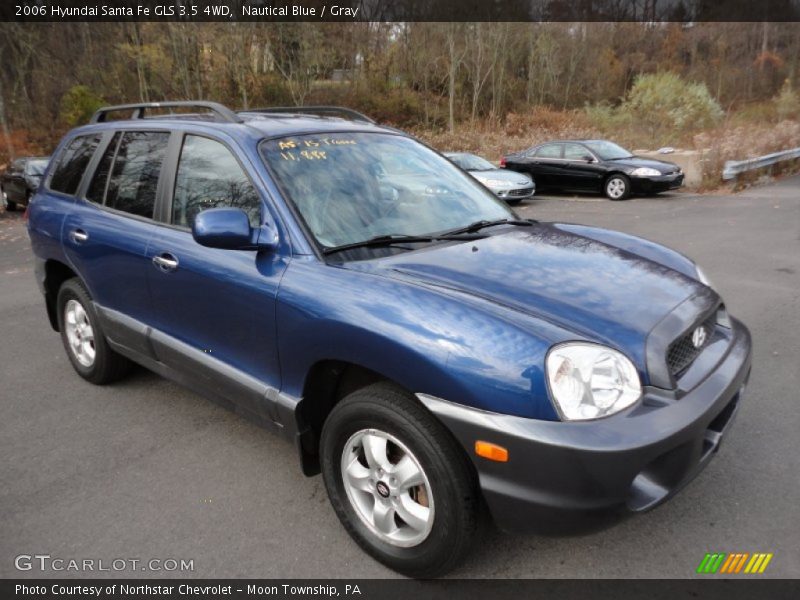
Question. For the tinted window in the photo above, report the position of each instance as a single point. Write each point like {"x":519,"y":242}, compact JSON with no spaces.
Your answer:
{"x":72,"y":164}
{"x":134,"y":176}
{"x":97,"y":188}
{"x":549,"y":151}
{"x":209,"y":177}
{"x":575,"y":152}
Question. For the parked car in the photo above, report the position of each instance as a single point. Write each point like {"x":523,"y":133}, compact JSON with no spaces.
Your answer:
{"x":20,"y":180}
{"x":594,"y":166}
{"x":424,"y":348}
{"x":508,"y":185}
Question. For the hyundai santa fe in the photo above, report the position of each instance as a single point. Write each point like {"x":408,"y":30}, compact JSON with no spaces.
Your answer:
{"x":434,"y":356}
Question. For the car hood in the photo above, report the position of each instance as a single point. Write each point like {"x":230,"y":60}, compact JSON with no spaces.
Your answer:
{"x":591,"y":288}
{"x":511,"y":177}
{"x":637,"y":161}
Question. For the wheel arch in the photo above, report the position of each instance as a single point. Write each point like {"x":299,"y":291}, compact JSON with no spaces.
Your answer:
{"x":55,"y":274}
{"x":326,"y":383}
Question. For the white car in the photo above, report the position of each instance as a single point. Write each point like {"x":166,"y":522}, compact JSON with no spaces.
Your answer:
{"x":508,"y":185}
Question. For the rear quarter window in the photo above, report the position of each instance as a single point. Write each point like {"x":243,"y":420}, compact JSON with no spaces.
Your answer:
{"x":72,"y":163}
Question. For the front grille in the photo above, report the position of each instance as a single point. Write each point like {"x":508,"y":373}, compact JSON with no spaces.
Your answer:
{"x":682,"y":352}
{"x":519,"y":192}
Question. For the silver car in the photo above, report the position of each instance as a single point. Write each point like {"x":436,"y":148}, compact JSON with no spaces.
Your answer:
{"x":508,"y":185}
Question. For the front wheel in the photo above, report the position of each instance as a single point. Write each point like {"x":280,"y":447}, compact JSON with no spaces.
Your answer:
{"x":398,"y":481}
{"x":618,"y":187}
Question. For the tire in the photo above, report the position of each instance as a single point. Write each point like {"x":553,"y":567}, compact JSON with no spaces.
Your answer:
{"x":10,"y":206}
{"x":445,"y":506}
{"x":91,"y":357}
{"x":617,"y":187}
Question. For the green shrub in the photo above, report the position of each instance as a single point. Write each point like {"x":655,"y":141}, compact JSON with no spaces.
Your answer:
{"x":78,"y":105}
{"x":787,"y":102}
{"x":664,"y":103}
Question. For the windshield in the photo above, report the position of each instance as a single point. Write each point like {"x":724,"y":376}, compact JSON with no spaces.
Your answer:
{"x":36,"y":167}
{"x":470,"y":162}
{"x":607,"y":150}
{"x":350,"y":187}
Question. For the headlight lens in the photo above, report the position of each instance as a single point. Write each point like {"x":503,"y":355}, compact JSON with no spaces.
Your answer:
{"x":645,"y":172}
{"x":589,"y":381}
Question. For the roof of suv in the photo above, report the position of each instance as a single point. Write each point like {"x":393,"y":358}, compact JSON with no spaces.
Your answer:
{"x":266,"y":122}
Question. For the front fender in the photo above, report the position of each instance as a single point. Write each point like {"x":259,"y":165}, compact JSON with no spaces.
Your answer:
{"x":424,"y":340}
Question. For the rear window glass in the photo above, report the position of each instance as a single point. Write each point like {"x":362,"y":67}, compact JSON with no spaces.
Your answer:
{"x":134,"y":176}
{"x":549,"y":151}
{"x":67,"y":175}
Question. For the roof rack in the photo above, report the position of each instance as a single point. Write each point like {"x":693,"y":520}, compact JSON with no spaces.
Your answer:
{"x":138,"y":110}
{"x":315,"y":110}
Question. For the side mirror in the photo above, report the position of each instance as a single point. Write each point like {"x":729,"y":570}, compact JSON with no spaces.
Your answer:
{"x":588,"y":158}
{"x":229,"y":229}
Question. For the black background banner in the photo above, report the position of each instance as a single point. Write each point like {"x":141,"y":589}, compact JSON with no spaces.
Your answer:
{"x":705,"y":588}
{"x":399,"y":10}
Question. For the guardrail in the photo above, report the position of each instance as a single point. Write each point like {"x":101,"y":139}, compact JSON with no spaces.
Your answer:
{"x":733,"y":168}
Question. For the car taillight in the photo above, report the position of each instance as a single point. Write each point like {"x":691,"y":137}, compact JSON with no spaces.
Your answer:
{"x":503,"y":161}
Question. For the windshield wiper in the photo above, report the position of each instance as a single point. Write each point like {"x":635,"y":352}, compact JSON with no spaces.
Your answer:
{"x":389,"y":240}
{"x":483,"y":224}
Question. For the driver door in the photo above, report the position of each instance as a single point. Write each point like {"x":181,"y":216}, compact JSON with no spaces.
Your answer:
{"x":215,"y":308}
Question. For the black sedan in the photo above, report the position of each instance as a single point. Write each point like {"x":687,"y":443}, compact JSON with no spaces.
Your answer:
{"x":596,"y":166}
{"x":20,"y":180}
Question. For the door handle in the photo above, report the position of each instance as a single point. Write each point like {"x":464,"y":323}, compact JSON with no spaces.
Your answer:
{"x":165,"y":261}
{"x":79,"y":236}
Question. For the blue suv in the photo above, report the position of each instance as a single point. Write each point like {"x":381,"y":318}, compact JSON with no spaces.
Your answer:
{"x":433,"y":355}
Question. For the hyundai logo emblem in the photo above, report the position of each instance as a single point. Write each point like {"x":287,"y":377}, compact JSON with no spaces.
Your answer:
{"x":699,"y":337}
{"x":383,"y":489}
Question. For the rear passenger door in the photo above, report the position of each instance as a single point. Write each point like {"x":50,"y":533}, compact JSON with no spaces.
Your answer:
{"x":547,"y":166}
{"x":107,"y":231}
{"x":215,"y":309}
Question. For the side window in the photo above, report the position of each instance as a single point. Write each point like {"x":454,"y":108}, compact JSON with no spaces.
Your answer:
{"x":134,"y":175}
{"x":209,"y":176}
{"x":17,"y":166}
{"x":575,"y":152}
{"x":97,"y":188}
{"x":549,"y":151}
{"x":72,"y":164}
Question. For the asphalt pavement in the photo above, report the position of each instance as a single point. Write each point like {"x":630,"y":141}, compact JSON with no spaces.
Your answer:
{"x":145,"y":469}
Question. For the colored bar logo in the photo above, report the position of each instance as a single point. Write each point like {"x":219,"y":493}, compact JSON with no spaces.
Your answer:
{"x":734,"y":563}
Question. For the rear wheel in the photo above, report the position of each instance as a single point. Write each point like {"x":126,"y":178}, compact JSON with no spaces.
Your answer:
{"x":10,"y":206}
{"x":83,"y":338}
{"x":617,"y":187}
{"x":398,"y":481}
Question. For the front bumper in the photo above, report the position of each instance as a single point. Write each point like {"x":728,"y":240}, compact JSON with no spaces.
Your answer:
{"x":514,"y":194}
{"x":635,"y":459}
{"x":651,"y":185}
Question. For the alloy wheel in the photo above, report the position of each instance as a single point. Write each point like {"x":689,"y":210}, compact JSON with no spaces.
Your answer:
{"x":80,"y":333}
{"x":387,"y":488}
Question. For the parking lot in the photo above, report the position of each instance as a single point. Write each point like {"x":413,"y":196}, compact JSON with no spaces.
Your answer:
{"x":145,"y":469}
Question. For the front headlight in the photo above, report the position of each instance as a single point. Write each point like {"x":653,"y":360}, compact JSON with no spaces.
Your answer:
{"x":645,"y":172}
{"x":589,"y":381}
